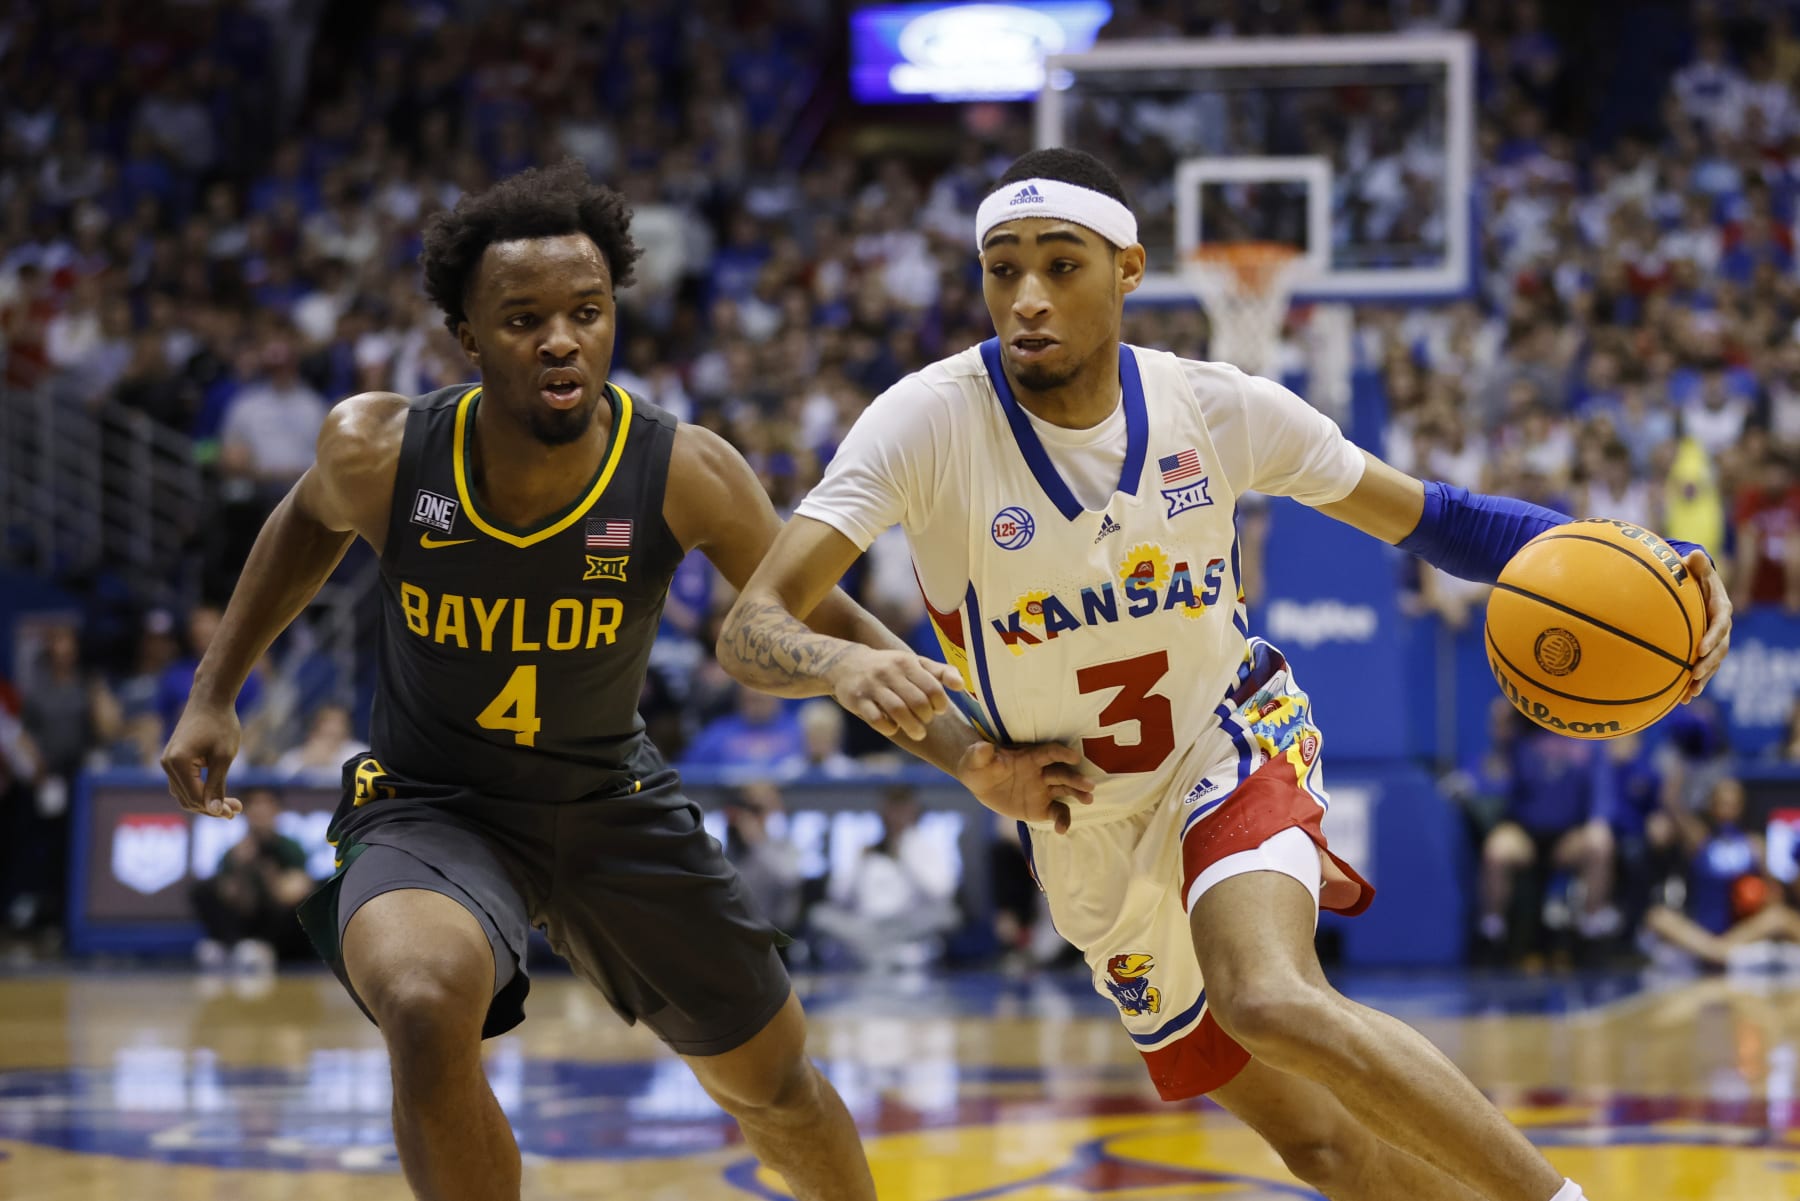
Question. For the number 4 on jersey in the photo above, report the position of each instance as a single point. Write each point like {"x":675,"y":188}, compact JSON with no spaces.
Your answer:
{"x":514,"y":707}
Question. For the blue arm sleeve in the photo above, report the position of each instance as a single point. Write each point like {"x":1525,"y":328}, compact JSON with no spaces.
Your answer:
{"x":1472,"y":535}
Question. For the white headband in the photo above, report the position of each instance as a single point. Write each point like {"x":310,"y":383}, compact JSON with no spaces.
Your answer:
{"x":1062,"y":201}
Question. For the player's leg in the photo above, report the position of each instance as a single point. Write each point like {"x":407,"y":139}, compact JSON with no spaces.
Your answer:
{"x":1588,"y":851}
{"x":1505,"y":853}
{"x":1766,"y":924}
{"x":1323,"y":1144}
{"x":424,"y":968}
{"x":653,"y":915}
{"x":790,"y":1115}
{"x":1253,"y":935}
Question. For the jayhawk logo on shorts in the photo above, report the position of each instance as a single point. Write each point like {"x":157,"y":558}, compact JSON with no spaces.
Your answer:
{"x":1129,"y":984}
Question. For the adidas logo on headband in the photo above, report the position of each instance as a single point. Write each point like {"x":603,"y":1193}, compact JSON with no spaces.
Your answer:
{"x":1055,"y":199}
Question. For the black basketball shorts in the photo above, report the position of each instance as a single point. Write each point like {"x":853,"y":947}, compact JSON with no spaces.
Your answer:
{"x":626,"y":884}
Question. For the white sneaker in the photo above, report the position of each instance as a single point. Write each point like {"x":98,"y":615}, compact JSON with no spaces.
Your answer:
{"x":253,"y":955}
{"x":210,"y":954}
{"x":1753,"y":957}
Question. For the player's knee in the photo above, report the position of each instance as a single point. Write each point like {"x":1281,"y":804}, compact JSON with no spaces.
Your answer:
{"x":787,"y":1093}
{"x":1507,"y":846}
{"x":1330,"y":1161}
{"x":429,"y":1012}
{"x":1276,"y":1019}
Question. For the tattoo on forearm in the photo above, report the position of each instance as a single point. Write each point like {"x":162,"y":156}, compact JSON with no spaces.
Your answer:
{"x":777,"y":647}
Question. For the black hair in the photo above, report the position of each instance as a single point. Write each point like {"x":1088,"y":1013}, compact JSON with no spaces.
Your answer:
{"x":1067,"y":166}
{"x":543,"y":202}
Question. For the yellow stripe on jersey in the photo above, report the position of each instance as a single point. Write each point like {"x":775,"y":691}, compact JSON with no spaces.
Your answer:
{"x":615,"y":450}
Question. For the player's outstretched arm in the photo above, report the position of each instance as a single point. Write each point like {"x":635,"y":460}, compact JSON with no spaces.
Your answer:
{"x":788,"y":573}
{"x":346,"y":492}
{"x":793,"y":632}
{"x":1473,"y":536}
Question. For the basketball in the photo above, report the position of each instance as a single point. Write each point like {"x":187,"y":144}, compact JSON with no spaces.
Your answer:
{"x":1749,"y":896}
{"x":1593,"y":628}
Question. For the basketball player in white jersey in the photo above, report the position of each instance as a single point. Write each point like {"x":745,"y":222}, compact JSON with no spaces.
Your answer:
{"x":1069,"y":502}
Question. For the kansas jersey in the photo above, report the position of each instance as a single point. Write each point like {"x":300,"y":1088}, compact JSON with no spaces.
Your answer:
{"x":512,"y":659}
{"x":1120,"y":627}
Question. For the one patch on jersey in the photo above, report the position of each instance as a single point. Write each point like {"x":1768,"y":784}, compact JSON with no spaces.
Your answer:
{"x":1013,"y":528}
{"x":606,"y":568}
{"x":430,"y":509}
{"x":1107,"y":526}
{"x":1190,"y":496}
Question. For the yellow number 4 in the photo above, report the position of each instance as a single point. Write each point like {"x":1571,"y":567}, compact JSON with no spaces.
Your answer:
{"x":515,"y":708}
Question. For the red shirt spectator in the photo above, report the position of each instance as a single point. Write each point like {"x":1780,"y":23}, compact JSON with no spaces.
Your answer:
{"x":24,"y":324}
{"x":1768,"y":536}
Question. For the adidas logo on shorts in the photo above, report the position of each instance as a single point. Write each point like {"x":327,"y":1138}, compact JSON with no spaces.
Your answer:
{"x":1027,"y":195}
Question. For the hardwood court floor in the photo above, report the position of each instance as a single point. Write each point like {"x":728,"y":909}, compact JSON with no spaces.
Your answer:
{"x":167,"y":1087}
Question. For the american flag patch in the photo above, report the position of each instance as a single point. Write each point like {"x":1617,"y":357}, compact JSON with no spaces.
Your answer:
{"x":1178,"y":467}
{"x":602,"y":534}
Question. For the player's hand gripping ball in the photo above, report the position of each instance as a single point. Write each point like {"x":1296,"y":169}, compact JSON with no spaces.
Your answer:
{"x":1598,"y":628}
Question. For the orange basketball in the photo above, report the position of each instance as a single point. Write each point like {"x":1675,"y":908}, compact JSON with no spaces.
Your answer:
{"x":1594,"y":627}
{"x":1748,"y":896}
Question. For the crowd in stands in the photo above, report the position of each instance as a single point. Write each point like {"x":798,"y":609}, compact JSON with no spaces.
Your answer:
{"x":210,"y":215}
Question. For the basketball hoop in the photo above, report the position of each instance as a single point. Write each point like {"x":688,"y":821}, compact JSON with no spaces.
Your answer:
{"x":1244,"y":288}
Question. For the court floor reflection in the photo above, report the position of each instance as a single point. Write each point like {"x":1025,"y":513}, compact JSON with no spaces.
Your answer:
{"x":966,"y":1088}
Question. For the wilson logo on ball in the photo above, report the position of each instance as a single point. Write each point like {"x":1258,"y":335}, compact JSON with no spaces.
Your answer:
{"x":1557,"y":651}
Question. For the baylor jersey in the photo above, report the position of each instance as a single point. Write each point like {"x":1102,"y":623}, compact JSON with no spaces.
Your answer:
{"x":512,"y":659}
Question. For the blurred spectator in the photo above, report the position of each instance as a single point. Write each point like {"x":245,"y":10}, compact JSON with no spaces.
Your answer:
{"x":67,"y":712}
{"x":1787,"y":749}
{"x":140,"y":691}
{"x":1614,"y":491}
{"x":762,"y":738}
{"x":1716,"y":420}
{"x":271,"y":427}
{"x":177,"y":680}
{"x":1732,"y":913}
{"x":139,"y":743}
{"x":320,"y":759}
{"x":1694,"y":752}
{"x":247,"y":905}
{"x":23,"y":888}
{"x":894,"y":909}
{"x":1767,"y":521}
{"x":822,"y":728}
{"x":25,"y":320}
{"x":1634,"y":802}
{"x":1553,"y":819}
{"x":1693,"y":506}
{"x":1022,"y":927}
{"x":767,"y":861}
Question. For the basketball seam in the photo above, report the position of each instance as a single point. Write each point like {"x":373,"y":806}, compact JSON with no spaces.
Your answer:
{"x":1598,"y":624}
{"x":1569,"y":696}
{"x":1656,"y":575}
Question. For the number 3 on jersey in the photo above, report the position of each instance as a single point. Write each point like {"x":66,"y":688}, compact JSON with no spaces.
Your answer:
{"x":514,"y":707}
{"x":1134,"y":678}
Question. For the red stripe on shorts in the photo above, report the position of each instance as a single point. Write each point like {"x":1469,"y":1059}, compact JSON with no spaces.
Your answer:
{"x":1199,"y":1061}
{"x":1270,"y":801}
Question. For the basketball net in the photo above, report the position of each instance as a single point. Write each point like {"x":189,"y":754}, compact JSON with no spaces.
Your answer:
{"x":1244,"y":288}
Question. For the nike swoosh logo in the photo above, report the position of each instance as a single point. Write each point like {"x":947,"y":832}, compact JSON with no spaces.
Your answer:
{"x":430,"y":543}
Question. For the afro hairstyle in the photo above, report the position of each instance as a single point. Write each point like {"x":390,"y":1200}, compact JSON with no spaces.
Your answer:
{"x":543,"y":202}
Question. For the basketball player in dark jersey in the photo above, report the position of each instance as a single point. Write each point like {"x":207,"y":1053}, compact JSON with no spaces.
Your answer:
{"x":528,"y":527}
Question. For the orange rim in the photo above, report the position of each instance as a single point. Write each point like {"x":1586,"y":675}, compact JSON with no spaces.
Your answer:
{"x":1255,"y":265}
